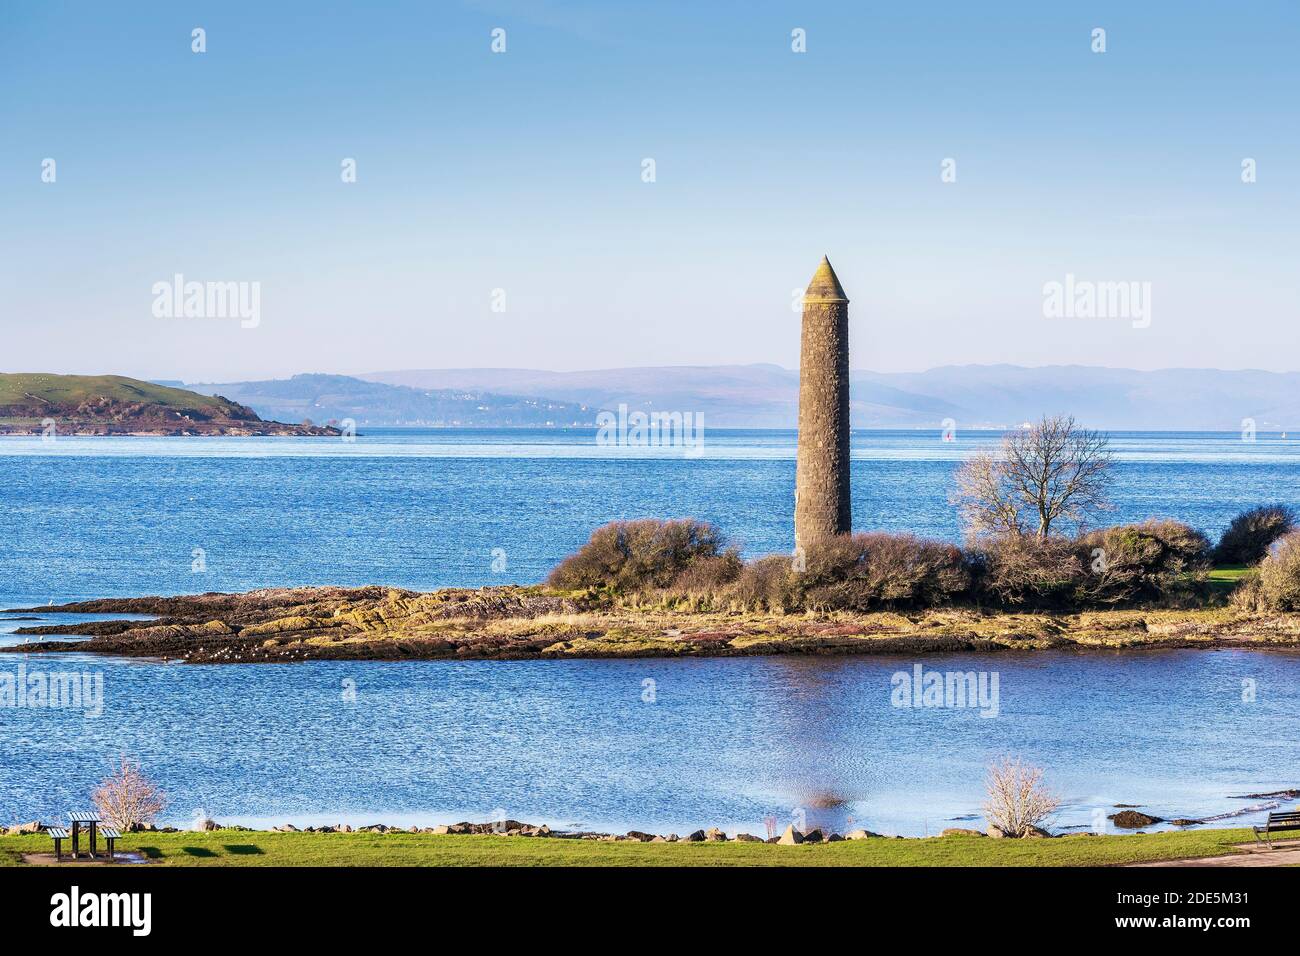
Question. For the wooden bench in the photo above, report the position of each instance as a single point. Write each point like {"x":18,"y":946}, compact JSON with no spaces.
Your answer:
{"x":58,"y":834}
{"x":1278,"y":822}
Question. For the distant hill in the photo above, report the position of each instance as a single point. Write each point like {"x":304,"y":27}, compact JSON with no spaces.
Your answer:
{"x":333,"y":398}
{"x":973,"y":395}
{"x":115,"y":405}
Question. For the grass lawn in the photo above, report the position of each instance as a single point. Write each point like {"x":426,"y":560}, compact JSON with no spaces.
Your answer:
{"x":1226,"y":577}
{"x":240,"y":848}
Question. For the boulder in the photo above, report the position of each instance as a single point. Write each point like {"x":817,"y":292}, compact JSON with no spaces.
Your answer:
{"x":639,"y":836}
{"x":658,"y":839}
{"x":814,"y":836}
{"x":998,"y":833}
{"x":35,"y":826}
{"x":442,"y":829}
{"x":1132,"y":819}
{"x":861,"y":835}
{"x":696,"y":837}
{"x":748,"y":838}
{"x":835,"y":838}
{"x":714,"y":835}
{"x":961,"y":831}
{"x":791,"y":837}
{"x":286,"y":828}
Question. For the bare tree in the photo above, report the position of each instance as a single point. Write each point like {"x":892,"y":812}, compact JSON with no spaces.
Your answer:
{"x":126,"y":797}
{"x":1016,"y":801}
{"x":1052,"y":472}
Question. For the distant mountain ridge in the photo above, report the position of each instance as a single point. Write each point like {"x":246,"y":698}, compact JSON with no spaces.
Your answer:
{"x":974,"y":396}
{"x":334,"y":398}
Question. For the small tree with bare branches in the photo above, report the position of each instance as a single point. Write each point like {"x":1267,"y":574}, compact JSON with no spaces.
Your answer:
{"x":1016,"y":801}
{"x":1052,"y":472}
{"x":126,"y":798}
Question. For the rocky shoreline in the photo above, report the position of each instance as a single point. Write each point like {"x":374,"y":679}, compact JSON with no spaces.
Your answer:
{"x":513,"y":828}
{"x":292,"y":625}
{"x":1127,"y":818}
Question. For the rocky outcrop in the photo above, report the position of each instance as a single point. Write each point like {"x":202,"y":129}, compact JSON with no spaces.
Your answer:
{"x":1133,"y":819}
{"x":289,"y":625}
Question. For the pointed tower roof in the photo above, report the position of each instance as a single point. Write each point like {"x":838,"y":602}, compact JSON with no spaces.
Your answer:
{"x":825,"y":285}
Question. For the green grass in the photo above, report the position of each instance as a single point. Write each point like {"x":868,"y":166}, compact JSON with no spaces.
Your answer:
{"x":16,"y":387}
{"x":1226,"y":577}
{"x":240,"y":848}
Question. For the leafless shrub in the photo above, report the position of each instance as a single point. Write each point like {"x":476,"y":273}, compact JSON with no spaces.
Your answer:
{"x":1279,"y":575}
{"x":1155,"y":561}
{"x":126,"y":798}
{"x":1016,"y":800}
{"x":708,"y":575}
{"x":634,"y":555}
{"x":1248,"y":537}
{"x":862,"y":572}
{"x":1026,"y":571}
{"x":1051,"y":473}
{"x":766,"y":584}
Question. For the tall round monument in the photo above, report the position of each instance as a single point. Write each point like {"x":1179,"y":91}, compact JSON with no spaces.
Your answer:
{"x":821,"y":494}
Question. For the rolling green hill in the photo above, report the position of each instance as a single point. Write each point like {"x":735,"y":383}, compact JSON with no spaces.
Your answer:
{"x":31,"y":389}
{"x":43,"y":403}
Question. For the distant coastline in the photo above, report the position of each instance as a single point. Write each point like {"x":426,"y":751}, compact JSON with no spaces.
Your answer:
{"x":51,"y":406}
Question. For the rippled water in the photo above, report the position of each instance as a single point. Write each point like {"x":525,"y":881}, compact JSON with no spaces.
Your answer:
{"x":427,"y":508}
{"x":725,"y":742}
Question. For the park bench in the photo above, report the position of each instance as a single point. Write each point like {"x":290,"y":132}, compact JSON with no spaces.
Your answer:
{"x":58,"y":834}
{"x":1277,"y":822}
{"x":110,"y":836}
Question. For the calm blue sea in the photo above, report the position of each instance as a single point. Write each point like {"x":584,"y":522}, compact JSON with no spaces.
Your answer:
{"x":426,"y":508}
{"x":707,"y":742}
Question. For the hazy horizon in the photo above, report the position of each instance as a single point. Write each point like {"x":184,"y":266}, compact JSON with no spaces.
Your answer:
{"x":523,"y":171}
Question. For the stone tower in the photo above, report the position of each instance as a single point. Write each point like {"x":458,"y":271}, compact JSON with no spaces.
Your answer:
{"x":821,"y":491}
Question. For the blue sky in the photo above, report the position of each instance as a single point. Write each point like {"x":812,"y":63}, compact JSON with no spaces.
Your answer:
{"x":522,"y":171}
